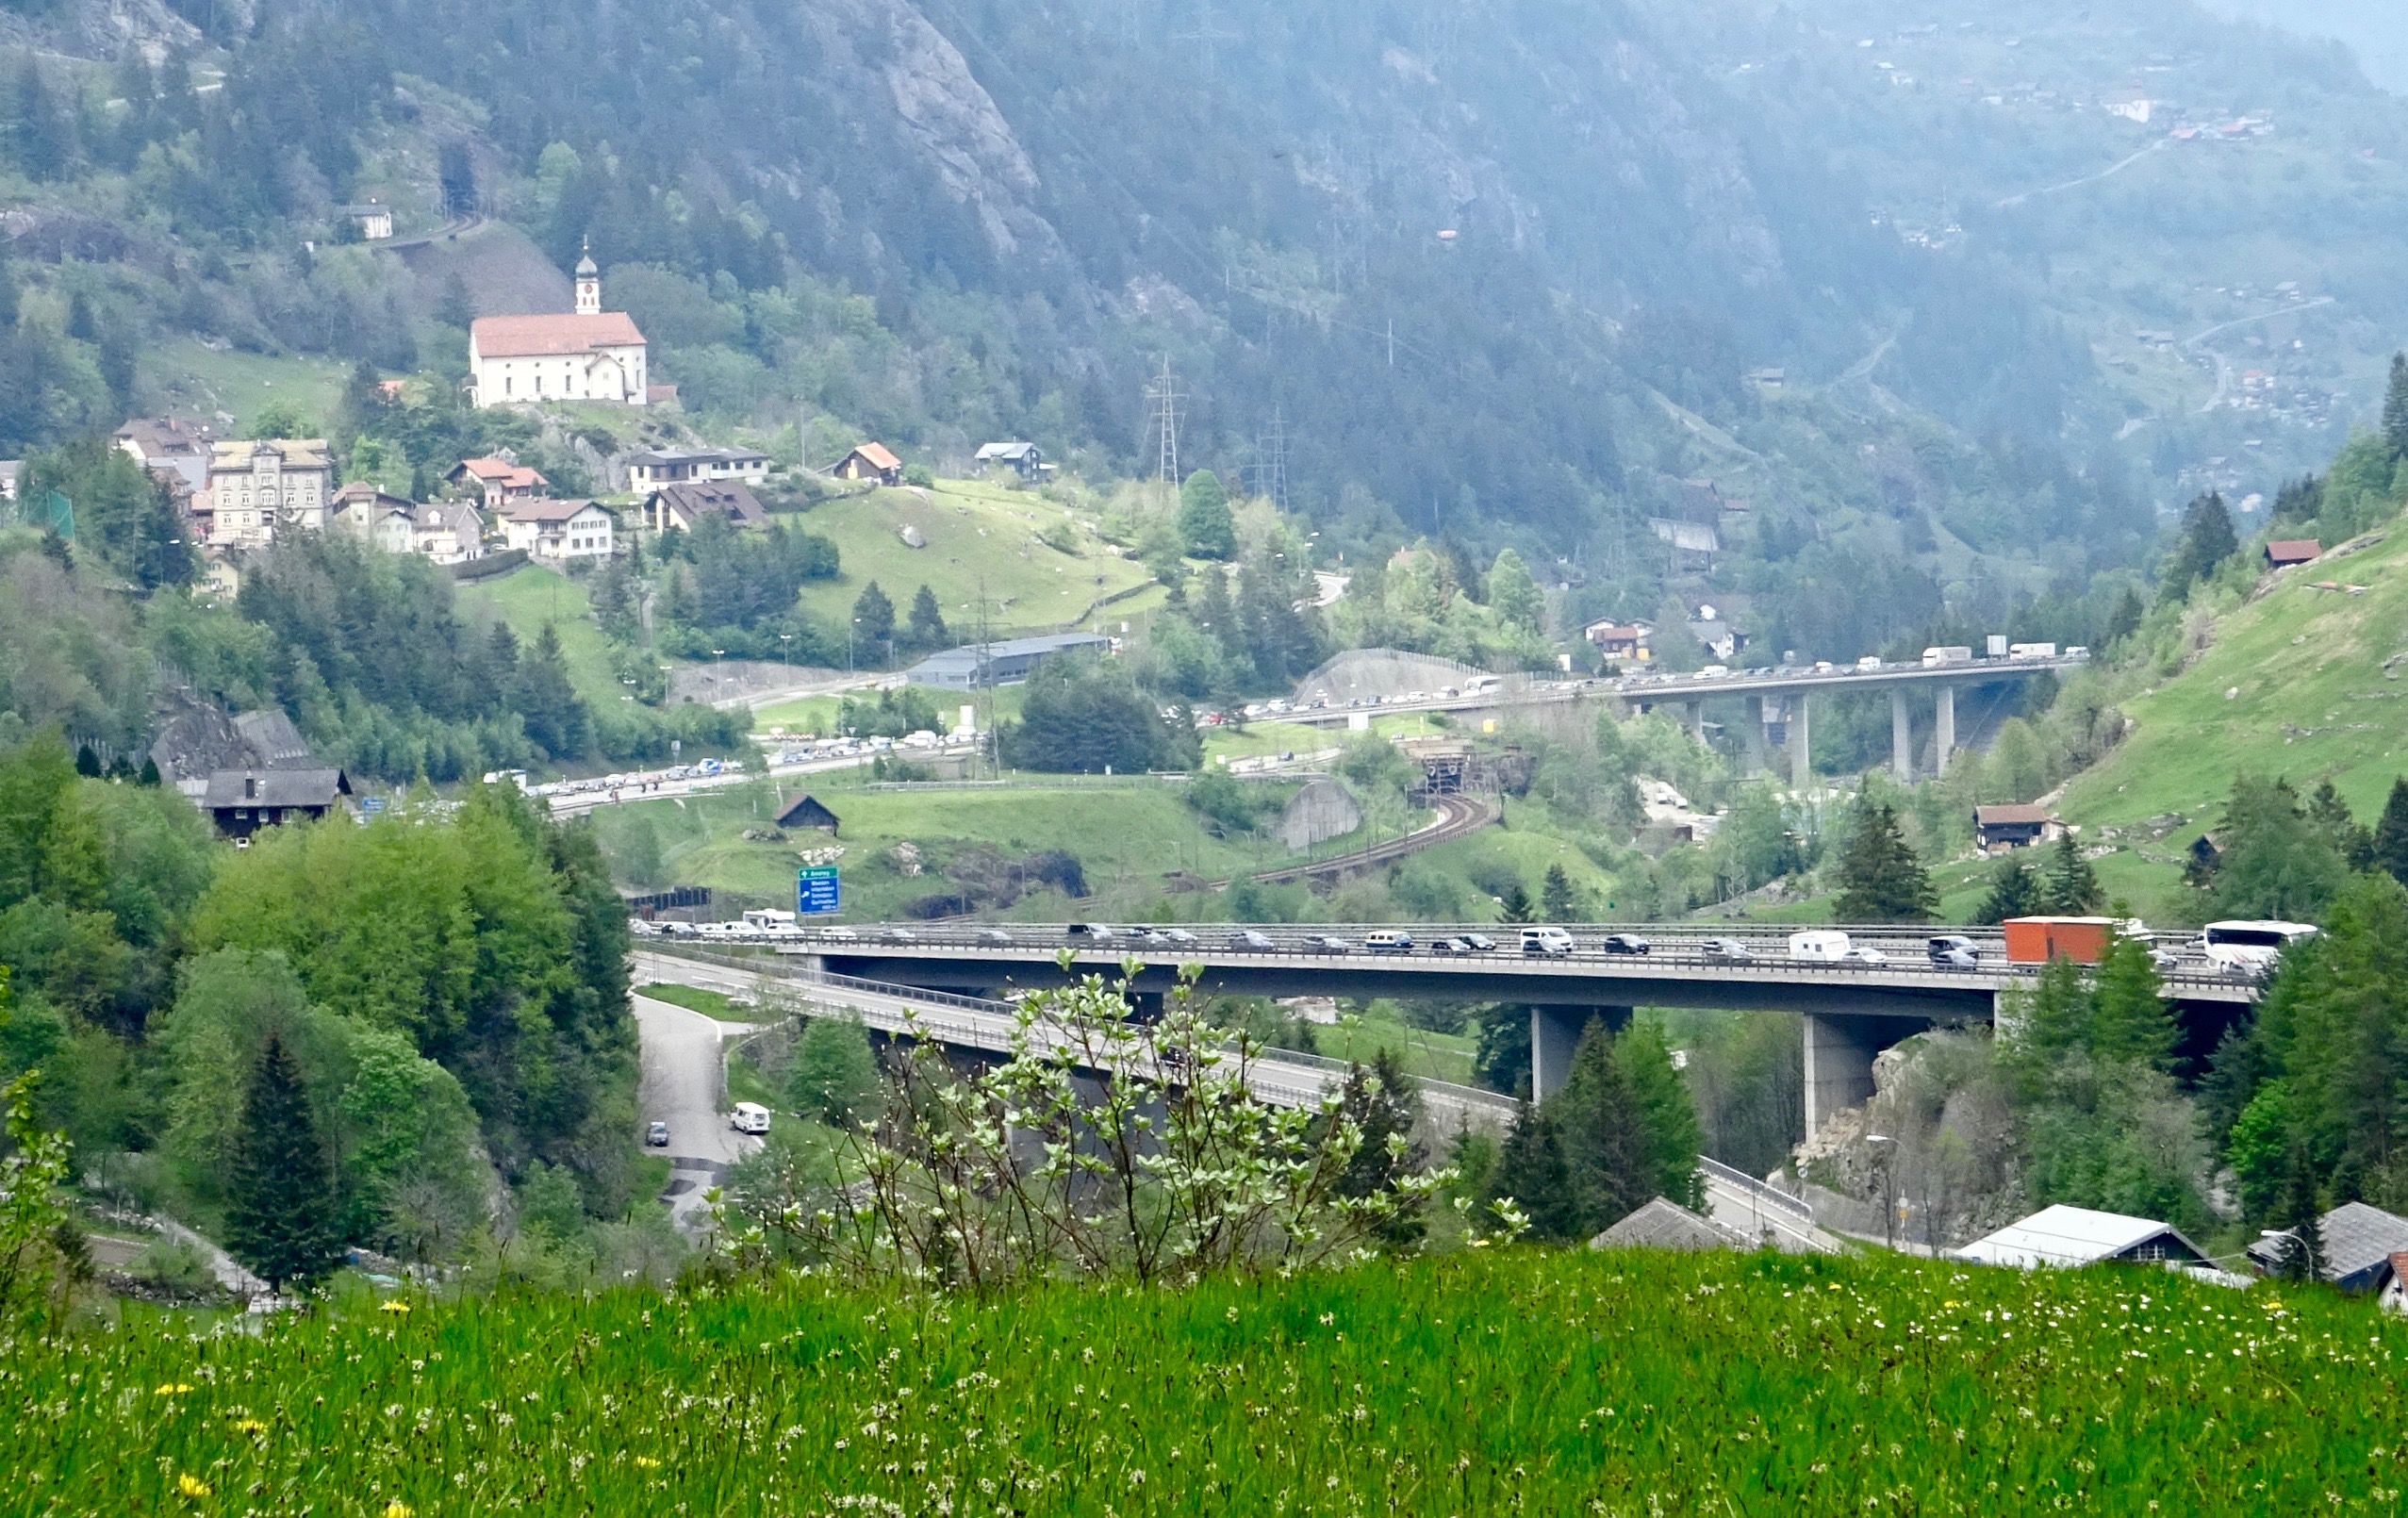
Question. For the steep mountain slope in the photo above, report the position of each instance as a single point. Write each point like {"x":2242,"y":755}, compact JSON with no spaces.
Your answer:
{"x":2308,"y":681}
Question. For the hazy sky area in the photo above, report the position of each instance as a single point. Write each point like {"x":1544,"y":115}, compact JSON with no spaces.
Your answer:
{"x":2377,"y":29}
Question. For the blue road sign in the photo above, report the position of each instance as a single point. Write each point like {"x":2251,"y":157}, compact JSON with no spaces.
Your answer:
{"x":816,"y":891}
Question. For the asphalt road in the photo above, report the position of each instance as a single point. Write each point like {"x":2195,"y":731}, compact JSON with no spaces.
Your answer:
{"x":680,"y":1086}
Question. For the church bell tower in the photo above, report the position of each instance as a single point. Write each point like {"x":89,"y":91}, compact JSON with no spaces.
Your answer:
{"x":588,"y":285}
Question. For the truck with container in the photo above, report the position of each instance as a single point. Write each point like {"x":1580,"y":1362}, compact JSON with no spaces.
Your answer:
{"x":2039,"y":940}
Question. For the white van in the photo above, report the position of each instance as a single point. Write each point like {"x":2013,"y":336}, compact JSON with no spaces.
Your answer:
{"x":749,"y":1117}
{"x":2251,"y":947}
{"x":1553,"y":943}
{"x":1826,"y":943}
{"x":1389,"y":941}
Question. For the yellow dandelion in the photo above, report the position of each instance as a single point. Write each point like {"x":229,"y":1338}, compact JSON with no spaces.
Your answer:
{"x":646,"y":1462}
{"x":250,"y":1425}
{"x":192,"y":1486}
{"x":172,"y":1388}
{"x":392,"y":1304}
{"x":397,"y":1509}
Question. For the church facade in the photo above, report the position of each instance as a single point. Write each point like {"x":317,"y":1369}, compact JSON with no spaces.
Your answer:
{"x":587,"y":355}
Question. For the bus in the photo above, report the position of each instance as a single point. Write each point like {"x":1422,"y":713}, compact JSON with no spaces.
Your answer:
{"x":2253,"y":946}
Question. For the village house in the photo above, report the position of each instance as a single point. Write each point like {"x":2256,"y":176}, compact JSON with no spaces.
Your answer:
{"x":872,"y":461}
{"x":1998,"y":829}
{"x":1023,"y":458}
{"x":586,"y":354}
{"x":373,"y":218}
{"x":385,"y":521}
{"x":448,"y":532}
{"x":1715,"y":634}
{"x":241,"y":802}
{"x":1621,"y":640}
{"x":683,"y":506}
{"x":677,"y":466}
{"x":557,"y":531}
{"x":169,"y":445}
{"x":810,"y":812}
{"x":2284,"y":552}
{"x":259,"y":487}
{"x":496,"y":481}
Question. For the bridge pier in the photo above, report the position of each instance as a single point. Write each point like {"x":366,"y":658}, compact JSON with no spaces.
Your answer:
{"x":1696,"y":711}
{"x":1555,"y":1032}
{"x":1755,"y":746}
{"x":1901,"y":736}
{"x":1840,"y":1049}
{"x":1944,"y":740}
{"x":1801,"y":745}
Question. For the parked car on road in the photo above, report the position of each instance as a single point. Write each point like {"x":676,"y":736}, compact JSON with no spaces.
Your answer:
{"x":656,"y":1136}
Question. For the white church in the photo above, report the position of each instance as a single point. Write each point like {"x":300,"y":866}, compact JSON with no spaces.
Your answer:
{"x":587,"y":355}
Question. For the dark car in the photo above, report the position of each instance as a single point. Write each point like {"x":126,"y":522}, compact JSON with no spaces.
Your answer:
{"x":897,"y":935}
{"x":1101,"y":932}
{"x":1328,"y":944}
{"x":1955,"y":951}
{"x":1250,"y":942}
{"x":1625,"y":942}
{"x":1481,"y":943}
{"x":656,"y":1136}
{"x":1452,"y":946}
{"x":995,"y":937}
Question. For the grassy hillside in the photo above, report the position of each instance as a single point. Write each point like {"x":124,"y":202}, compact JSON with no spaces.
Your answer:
{"x":2299,"y":682}
{"x":973,"y":533}
{"x":1514,"y":1380}
{"x":185,"y":379}
{"x":1126,"y":837}
{"x":529,"y":597}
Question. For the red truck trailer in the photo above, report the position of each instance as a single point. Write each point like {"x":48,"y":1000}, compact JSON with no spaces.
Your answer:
{"x":2039,"y":940}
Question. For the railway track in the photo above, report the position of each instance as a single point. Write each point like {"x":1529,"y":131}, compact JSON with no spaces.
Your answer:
{"x":1458,"y":816}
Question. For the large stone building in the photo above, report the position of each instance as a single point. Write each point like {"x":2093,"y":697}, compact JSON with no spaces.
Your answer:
{"x":585,"y":355}
{"x":259,"y":487}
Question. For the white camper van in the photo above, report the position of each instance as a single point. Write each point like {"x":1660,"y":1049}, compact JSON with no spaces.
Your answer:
{"x":749,"y":1117}
{"x":1827,"y":944}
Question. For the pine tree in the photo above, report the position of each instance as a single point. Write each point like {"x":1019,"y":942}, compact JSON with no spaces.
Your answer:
{"x":2207,"y":540}
{"x":1204,"y":519}
{"x":2130,"y":1018}
{"x":2394,"y":408}
{"x":1530,"y":1171}
{"x":1608,"y":1154}
{"x":281,"y":1210}
{"x":1666,"y":1115}
{"x":2069,"y":887}
{"x":2301,"y":1216}
{"x":2125,"y":619}
{"x":1517,"y":905}
{"x":2015,"y":891}
{"x":834,"y":1079}
{"x":2329,"y":815}
{"x":1383,"y":1102}
{"x":547,"y":701}
{"x":1557,"y":898}
{"x":873,"y":615}
{"x":1880,"y":878}
{"x":928,"y":622}
{"x":2389,"y":850}
{"x":87,"y":762}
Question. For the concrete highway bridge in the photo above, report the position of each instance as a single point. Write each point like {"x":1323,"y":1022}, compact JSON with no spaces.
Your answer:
{"x":1280,"y":1078}
{"x":1852,"y":1009}
{"x":1785,"y":693}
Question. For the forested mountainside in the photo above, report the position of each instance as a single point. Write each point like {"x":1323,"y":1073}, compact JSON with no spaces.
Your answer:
{"x":1489,"y":274}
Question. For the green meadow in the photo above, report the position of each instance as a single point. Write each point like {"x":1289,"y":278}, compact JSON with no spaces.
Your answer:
{"x":1506,"y":1380}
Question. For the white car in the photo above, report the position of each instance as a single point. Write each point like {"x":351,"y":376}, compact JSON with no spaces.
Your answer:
{"x":1862,"y":954}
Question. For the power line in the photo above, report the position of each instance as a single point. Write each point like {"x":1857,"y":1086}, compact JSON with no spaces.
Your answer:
{"x":1210,"y":36}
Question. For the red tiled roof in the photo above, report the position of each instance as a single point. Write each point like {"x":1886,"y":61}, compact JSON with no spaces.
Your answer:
{"x":876,"y":457}
{"x":553,"y":334}
{"x":2293,"y":549}
{"x":502,"y":473}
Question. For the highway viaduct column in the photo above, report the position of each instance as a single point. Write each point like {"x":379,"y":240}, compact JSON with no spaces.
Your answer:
{"x":1555,"y":1032}
{"x":1697,"y":720}
{"x":1754,"y":735}
{"x":1801,"y":745}
{"x":1839,"y":1068}
{"x":1901,"y":736}
{"x":1944,"y":740}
